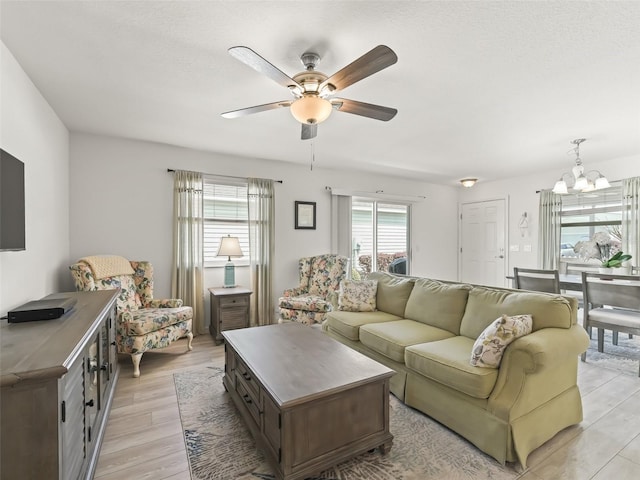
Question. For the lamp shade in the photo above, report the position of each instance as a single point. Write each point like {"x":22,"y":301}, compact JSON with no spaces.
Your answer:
{"x":311,"y":109}
{"x":230,"y":247}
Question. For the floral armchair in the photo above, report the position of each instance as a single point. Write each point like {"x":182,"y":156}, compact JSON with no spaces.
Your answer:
{"x":143,"y":323}
{"x":320,"y":278}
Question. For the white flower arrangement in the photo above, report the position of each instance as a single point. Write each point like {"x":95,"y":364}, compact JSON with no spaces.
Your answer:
{"x":602,"y":246}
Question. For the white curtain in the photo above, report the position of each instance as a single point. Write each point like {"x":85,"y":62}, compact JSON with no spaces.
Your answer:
{"x":631,"y":218}
{"x":341,"y":226}
{"x":549,"y":230}
{"x":187,"y":280}
{"x":261,"y":247}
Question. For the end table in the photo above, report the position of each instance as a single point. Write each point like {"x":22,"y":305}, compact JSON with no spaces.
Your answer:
{"x":229,"y":310}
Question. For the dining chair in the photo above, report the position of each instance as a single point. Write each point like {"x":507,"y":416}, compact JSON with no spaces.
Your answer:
{"x":612,"y":302}
{"x":536,"y":280}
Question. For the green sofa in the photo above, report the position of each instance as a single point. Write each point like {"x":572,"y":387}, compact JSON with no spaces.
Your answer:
{"x":425,"y":329}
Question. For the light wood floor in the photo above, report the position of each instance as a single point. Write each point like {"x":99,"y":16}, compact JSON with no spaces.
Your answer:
{"x":144,"y":438}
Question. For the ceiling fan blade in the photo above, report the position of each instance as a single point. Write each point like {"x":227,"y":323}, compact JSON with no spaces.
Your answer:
{"x":377,"y":112}
{"x":309,"y":131}
{"x":371,"y":62}
{"x":258,"y":108}
{"x":255,"y":61}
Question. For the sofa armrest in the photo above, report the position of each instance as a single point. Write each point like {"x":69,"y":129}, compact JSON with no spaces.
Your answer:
{"x":536,"y":368}
{"x":550,"y":346}
{"x":164,"y":303}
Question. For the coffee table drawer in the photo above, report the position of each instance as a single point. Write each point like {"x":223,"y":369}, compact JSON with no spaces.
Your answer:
{"x":249,"y":400}
{"x":247,"y":378}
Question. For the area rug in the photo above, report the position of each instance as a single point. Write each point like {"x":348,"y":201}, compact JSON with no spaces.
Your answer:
{"x":623,"y":358}
{"x":219,"y":445}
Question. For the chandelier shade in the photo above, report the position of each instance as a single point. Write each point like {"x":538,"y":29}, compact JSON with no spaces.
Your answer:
{"x":577,"y":179}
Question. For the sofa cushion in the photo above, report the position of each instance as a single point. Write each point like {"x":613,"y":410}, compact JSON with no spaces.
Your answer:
{"x":357,"y":296}
{"x":438,"y":304}
{"x":485,"y":304}
{"x":447,"y":362}
{"x":488,"y":348}
{"x":393,"y":292}
{"x":391,"y":338}
{"x":348,"y":324}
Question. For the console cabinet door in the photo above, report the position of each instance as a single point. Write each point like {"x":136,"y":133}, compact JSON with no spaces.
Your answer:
{"x":72,"y":420}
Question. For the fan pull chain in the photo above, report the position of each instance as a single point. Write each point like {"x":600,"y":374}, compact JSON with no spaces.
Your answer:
{"x":313,"y":155}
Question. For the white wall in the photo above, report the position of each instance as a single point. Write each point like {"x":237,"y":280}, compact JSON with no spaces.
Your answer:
{"x":32,"y":132}
{"x":522,"y":197}
{"x":122,"y":199}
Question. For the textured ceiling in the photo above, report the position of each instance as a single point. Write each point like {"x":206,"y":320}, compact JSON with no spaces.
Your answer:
{"x":485,"y":89}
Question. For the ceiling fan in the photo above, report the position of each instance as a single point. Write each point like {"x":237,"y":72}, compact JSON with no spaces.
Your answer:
{"x":313,"y":91}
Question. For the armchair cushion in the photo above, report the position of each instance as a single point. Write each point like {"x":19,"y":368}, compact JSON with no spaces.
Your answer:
{"x":146,"y":320}
{"x":311,"y":303}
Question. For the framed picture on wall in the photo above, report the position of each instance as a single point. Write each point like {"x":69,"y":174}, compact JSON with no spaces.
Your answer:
{"x":305,"y":214}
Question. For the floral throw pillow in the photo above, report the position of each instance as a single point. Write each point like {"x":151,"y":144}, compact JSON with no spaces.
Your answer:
{"x":357,"y":296}
{"x":488,"y":348}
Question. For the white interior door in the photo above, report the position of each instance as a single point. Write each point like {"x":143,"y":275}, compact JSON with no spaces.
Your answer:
{"x":483,"y":239}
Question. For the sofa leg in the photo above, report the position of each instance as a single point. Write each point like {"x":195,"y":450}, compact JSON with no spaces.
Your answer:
{"x":189,"y":339}
{"x":135,"y":358}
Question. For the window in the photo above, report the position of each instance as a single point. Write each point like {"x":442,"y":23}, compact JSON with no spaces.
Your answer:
{"x":380,"y":236}
{"x":583,"y":216}
{"x":225,"y":213}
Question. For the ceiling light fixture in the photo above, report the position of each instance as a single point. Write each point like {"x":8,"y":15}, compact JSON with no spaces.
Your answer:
{"x":580,"y":181}
{"x":311,"y":109}
{"x":468,"y":182}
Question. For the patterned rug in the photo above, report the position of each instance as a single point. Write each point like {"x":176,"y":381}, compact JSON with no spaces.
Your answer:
{"x":624,"y":357}
{"x":219,"y":445}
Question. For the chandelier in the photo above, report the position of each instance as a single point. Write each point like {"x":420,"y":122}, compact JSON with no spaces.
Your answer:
{"x":580,"y":181}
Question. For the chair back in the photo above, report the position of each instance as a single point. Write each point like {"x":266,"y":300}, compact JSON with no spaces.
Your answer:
{"x":536,"y":280}
{"x":621,"y":291}
{"x":325,"y":273}
{"x":135,"y":283}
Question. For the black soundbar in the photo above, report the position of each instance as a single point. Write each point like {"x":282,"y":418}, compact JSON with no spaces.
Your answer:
{"x":41,"y":310}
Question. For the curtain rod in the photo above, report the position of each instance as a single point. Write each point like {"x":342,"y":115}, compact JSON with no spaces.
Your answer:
{"x":171,"y":170}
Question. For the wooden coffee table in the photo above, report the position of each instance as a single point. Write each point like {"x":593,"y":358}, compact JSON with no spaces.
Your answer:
{"x":309,"y":401}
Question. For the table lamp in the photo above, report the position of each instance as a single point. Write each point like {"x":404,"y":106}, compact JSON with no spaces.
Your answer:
{"x":229,"y":247}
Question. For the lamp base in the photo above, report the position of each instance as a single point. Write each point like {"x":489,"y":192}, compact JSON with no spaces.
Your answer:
{"x":229,"y":275}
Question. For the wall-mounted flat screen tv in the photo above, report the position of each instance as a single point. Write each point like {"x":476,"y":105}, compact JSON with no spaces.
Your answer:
{"x":12,"y":236}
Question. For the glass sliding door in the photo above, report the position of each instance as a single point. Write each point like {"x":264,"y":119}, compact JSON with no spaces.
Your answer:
{"x":380,"y":236}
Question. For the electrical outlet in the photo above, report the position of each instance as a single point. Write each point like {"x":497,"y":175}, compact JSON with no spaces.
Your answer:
{"x":526,"y":248}
{"x":514,"y":248}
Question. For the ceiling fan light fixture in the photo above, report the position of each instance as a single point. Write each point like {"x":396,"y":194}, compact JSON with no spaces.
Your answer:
{"x":311,"y":109}
{"x":468,"y":182}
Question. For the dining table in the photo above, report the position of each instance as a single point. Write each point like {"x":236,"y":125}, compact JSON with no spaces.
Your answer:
{"x":568,"y":281}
